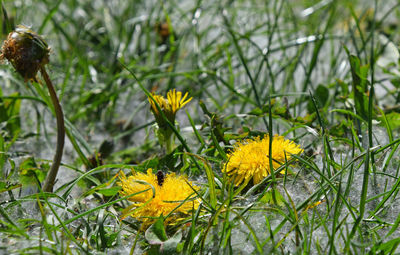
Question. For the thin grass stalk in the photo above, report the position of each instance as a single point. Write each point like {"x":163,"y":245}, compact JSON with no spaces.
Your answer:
{"x":244,"y":63}
{"x":372,"y":91}
{"x":336,"y":214}
{"x":316,"y":51}
{"x":271,"y":166}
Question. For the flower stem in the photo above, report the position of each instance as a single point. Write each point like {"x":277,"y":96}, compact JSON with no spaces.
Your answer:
{"x":51,"y":176}
{"x":170,"y":143}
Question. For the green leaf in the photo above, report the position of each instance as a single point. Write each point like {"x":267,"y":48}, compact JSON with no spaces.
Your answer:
{"x":273,"y":196}
{"x":3,"y":155}
{"x":339,"y":130}
{"x":29,"y":171}
{"x":156,"y":234}
{"x":9,"y":113}
{"x":394,"y":227}
{"x":170,"y":246}
{"x":13,"y":107}
{"x":393,"y":119}
{"x":150,"y":163}
{"x":359,"y":75}
{"x":395,"y":82}
{"x":158,"y":240}
{"x":321,"y":96}
{"x":5,"y":186}
{"x":230,"y":136}
{"x":389,"y":247}
{"x":308,"y":119}
{"x":110,"y":191}
{"x":345,"y":88}
{"x":256,"y":111}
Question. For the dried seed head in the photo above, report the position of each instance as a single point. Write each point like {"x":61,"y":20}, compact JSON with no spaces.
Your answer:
{"x":26,"y":51}
{"x":163,"y":31}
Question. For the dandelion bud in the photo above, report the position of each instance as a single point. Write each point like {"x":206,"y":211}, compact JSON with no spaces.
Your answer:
{"x":26,"y":51}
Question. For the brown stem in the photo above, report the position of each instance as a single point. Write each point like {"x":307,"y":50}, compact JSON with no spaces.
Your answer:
{"x":52,"y":174}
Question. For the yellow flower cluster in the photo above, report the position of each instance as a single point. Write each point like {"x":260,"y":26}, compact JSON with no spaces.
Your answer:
{"x":169,"y":106}
{"x":173,"y":193}
{"x":250,"y":159}
{"x":160,"y":100}
{"x":176,"y":101}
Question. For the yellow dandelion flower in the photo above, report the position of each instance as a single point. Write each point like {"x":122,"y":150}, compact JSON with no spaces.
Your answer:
{"x":160,"y":101}
{"x":250,"y":159}
{"x":175,"y":101}
{"x":169,"y":106}
{"x":164,"y":194}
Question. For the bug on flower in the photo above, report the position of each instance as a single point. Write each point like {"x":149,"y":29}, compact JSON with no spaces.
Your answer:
{"x":160,"y":178}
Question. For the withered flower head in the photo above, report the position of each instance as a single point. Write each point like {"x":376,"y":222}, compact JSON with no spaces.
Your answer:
{"x":26,"y":51}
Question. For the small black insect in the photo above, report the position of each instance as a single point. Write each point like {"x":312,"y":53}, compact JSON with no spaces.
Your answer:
{"x":160,"y":178}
